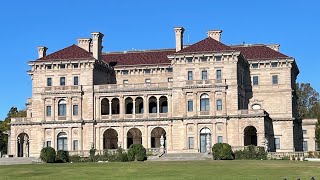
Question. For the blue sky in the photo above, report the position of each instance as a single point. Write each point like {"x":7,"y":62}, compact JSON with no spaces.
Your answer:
{"x":149,"y":25}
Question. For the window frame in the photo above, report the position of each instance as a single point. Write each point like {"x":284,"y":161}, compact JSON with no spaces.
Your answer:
{"x":219,"y":104}
{"x":63,"y":81}
{"x":49,"y":81}
{"x":220,"y":139}
{"x":75,"y":110}
{"x":190,"y":105}
{"x":76,"y":80}
{"x":255,"y":83}
{"x":275,"y":80}
{"x":48,"y":111}
{"x":205,"y":102}
{"x":190,"y":76}
{"x":204,"y":74}
{"x":277,"y":145}
{"x":219,"y":74}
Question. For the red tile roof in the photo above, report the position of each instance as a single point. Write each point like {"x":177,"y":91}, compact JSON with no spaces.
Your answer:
{"x":68,"y":53}
{"x":139,"y":57}
{"x":259,"y":52}
{"x":206,"y":45}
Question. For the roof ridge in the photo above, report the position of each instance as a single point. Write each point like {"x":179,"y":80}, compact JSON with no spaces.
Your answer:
{"x":139,"y":51}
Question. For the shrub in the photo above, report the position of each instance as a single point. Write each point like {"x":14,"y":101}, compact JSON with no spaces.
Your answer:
{"x":75,"y":158}
{"x":92,"y":154}
{"x":62,"y":156}
{"x":136,"y":152}
{"x":48,"y":155}
{"x":251,"y":152}
{"x":222,"y":151}
{"x":121,"y":156}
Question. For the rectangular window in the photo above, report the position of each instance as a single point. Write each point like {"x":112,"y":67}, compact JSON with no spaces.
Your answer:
{"x":220,"y":140}
{"x":147,"y":71}
{"x":304,"y":131}
{"x":219,"y":105}
{"x":75,"y":145}
{"x":75,"y":110}
{"x":204,"y":74}
{"x":170,"y":69}
{"x":218,"y":58}
{"x":191,"y":142}
{"x":75,"y":66}
{"x":48,"y":144}
{"x":48,"y":111}
{"x":274,"y":79}
{"x":190,"y":106}
{"x":49,"y":67}
{"x":204,"y":59}
{"x":189,"y":59}
{"x":277,"y":143}
{"x":305,"y":145}
{"x":190,"y":77}
{"x":62,"y":66}
{"x":204,"y":104}
{"x":255,"y":80}
{"x":125,"y":72}
{"x":274,"y":64}
{"x":255,"y":65}
{"x":62,"y":81}
{"x":170,"y":79}
{"x":148,"y":81}
{"x":125,"y":81}
{"x":49,"y":81}
{"x":76,"y":80}
{"x":219,"y":74}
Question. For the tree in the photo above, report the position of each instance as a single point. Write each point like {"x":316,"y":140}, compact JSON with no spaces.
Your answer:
{"x":5,"y":126}
{"x":308,"y":101}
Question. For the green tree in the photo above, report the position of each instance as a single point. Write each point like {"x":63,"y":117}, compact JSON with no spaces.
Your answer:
{"x":308,"y":101}
{"x":5,"y":126}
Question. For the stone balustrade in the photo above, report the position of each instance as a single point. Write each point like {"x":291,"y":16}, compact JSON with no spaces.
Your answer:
{"x":62,"y":88}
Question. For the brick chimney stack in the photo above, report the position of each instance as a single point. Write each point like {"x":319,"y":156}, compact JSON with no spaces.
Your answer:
{"x":42,"y":51}
{"x":97,"y":44}
{"x":215,"y":34}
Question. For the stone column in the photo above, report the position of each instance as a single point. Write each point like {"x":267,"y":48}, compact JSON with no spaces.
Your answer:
{"x":145,"y":139}
{"x":225,"y":138}
{"x":185,"y":136}
{"x":169,"y":105}
{"x":98,"y":138}
{"x":196,"y":103}
{"x":110,"y":109}
{"x":208,"y":143}
{"x":169,"y":137}
{"x":196,"y":136}
{"x":44,"y":109}
{"x":224,"y":103}
{"x":80,"y":140}
{"x":145,"y":106}
{"x":125,"y":139}
{"x":98,"y":108}
{"x":53,"y":108}
{"x":44,"y":138}
{"x":80,"y":107}
{"x":213,"y":108}
{"x":121,"y":105}
{"x":133,"y":109}
{"x":71,"y":109}
{"x":54,"y":139}
{"x":158,"y":107}
{"x":9,"y":143}
{"x":70,"y":139}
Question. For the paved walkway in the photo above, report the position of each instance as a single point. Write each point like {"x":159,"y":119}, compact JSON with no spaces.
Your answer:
{"x":19,"y":160}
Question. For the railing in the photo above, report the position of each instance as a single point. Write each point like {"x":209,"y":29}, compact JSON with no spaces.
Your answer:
{"x":203,"y":113}
{"x":133,"y":86}
{"x":19,"y":119}
{"x":131,"y":116}
{"x":246,"y":111}
{"x":288,"y":155}
{"x":205,"y":82}
{"x":62,"y":88}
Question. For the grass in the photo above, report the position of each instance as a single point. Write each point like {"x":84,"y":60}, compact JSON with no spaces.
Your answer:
{"x":241,"y":169}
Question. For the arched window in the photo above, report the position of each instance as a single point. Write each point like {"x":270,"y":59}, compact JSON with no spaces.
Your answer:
{"x":204,"y":102}
{"x":62,"y":141}
{"x":105,"y":106}
{"x":62,"y":108}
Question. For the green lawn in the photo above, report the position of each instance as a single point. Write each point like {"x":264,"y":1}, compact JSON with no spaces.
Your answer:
{"x":270,"y":170}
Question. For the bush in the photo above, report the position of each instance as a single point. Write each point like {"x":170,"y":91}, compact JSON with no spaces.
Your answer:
{"x":75,"y":158}
{"x":251,"y":152}
{"x":48,"y":155}
{"x":222,"y":151}
{"x":62,"y":156}
{"x":92,"y":154}
{"x":136,"y":152}
{"x":121,"y":156}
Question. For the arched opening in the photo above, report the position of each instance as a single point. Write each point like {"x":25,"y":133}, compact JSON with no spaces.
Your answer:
{"x":204,"y":102}
{"x":62,"y":141}
{"x":110,"y":139}
{"x":205,"y":139}
{"x":129,"y":105}
{"x":139,"y":105}
{"x":163,"y":101}
{"x":158,"y":137}
{"x":115,"y":106}
{"x":152,"y":104}
{"x":62,"y":108}
{"x":134,"y":136}
{"x":105,"y":106}
{"x":250,"y":136}
{"x":23,"y":145}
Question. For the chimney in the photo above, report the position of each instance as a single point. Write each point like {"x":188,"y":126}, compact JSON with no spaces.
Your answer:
{"x":179,"y":38}
{"x":97,"y":44}
{"x":85,"y":43}
{"x":215,"y":34}
{"x":42,"y":51}
{"x":275,"y":47}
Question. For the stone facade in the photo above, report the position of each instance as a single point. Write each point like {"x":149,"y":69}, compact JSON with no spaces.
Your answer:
{"x":179,"y":100}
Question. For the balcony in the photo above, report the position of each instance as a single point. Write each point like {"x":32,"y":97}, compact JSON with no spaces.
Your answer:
{"x":207,"y":82}
{"x":62,"y":89}
{"x":19,"y":119}
{"x":109,"y":87}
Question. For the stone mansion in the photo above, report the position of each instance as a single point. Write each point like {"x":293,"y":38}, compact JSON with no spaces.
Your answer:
{"x":180,"y":100}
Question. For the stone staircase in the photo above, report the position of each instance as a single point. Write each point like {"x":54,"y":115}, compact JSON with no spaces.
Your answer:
{"x":182,"y":157}
{"x":19,"y":160}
